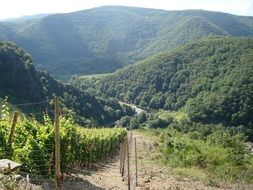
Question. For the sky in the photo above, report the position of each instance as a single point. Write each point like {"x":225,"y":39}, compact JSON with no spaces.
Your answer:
{"x":17,"y":8}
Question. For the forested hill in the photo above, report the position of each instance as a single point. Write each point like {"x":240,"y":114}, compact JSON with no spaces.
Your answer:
{"x":22,"y":83}
{"x":212,"y":80}
{"x":103,"y":39}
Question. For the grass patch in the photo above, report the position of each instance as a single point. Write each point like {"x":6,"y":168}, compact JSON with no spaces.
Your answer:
{"x":92,"y":76}
{"x":192,"y":173}
{"x":67,"y":77}
{"x":148,"y":148}
{"x":176,"y":115}
{"x":211,"y":153}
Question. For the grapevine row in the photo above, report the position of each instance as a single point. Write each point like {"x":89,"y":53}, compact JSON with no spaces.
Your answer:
{"x":33,"y":144}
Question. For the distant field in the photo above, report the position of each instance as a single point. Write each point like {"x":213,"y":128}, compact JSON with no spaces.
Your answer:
{"x":93,"y":75}
{"x":66,"y":78}
{"x":176,"y":115}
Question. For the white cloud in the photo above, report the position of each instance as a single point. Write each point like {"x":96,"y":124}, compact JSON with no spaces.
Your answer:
{"x":15,"y":8}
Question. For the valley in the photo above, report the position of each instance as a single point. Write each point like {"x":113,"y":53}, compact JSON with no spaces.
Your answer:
{"x":180,"y":82}
{"x":104,"y":39}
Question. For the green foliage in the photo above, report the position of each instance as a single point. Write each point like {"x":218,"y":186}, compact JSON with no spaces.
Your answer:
{"x":157,"y":123}
{"x":5,"y":150}
{"x":8,"y":182}
{"x":34,"y":144}
{"x":146,"y":120}
{"x":134,"y":122}
{"x":104,"y":39}
{"x":5,"y":113}
{"x":211,"y":80}
{"x":220,"y":152}
{"x":22,"y":83}
{"x":173,"y":115}
{"x":142,"y":117}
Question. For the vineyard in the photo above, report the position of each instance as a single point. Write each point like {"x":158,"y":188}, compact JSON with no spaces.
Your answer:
{"x":33,"y":144}
{"x":84,"y":150}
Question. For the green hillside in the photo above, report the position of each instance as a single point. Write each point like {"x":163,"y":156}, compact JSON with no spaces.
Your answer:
{"x":103,"y":39}
{"x":210,"y":80}
{"x":22,"y":83}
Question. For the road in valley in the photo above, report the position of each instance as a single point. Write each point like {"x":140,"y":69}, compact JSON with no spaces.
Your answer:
{"x":137,"y":109}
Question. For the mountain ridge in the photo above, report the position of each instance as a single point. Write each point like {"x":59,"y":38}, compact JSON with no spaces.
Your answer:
{"x":209,"y":79}
{"x":22,"y":83}
{"x":104,"y":39}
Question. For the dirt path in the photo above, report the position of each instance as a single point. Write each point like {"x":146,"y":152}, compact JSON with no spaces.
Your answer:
{"x":103,"y":176}
{"x":108,"y":176}
{"x":151,"y":173}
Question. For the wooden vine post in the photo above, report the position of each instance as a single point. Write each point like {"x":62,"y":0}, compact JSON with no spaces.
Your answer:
{"x":128,"y":164}
{"x":13,"y":126}
{"x":121,"y":158}
{"x":136,"y":164}
{"x":57,"y":145}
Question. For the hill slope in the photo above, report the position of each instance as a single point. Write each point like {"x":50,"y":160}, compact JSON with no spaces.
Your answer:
{"x":211,"y":79}
{"x":22,"y":83}
{"x":104,"y":39}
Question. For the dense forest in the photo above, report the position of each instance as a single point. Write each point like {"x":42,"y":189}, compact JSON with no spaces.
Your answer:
{"x":22,"y":83}
{"x":210,"y":80}
{"x":103,"y":39}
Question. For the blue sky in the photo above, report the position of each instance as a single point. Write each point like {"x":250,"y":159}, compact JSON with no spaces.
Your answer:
{"x":17,"y":8}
